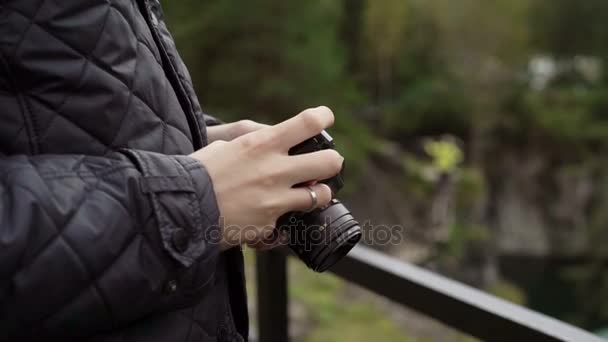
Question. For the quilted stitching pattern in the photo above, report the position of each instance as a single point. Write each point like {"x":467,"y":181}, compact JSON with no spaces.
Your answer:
{"x":53,"y":250}
{"x":87,"y":78}
{"x":107,"y":85}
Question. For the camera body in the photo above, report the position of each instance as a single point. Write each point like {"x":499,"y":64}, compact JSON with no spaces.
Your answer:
{"x":323,"y":236}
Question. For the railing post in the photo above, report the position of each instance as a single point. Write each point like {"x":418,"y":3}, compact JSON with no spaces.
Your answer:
{"x":271,"y":275}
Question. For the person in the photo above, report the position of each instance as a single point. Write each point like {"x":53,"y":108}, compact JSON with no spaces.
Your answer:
{"x":122,"y":205}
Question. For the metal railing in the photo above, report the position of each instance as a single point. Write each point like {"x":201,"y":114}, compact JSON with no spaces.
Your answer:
{"x":459,"y":306}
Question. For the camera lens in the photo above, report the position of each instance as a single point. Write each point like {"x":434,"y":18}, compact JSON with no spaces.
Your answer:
{"x":322,"y":237}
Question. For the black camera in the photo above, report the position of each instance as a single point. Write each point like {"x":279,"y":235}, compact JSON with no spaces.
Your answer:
{"x":325,"y":235}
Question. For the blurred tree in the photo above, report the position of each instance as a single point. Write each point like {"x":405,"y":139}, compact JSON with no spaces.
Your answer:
{"x":483,"y":61}
{"x":385,"y":27}
{"x":401,"y":71}
{"x":566,"y":28}
{"x":274,"y":57}
{"x":351,"y":32}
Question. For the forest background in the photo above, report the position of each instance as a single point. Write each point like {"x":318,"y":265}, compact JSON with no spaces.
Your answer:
{"x":479,"y":126}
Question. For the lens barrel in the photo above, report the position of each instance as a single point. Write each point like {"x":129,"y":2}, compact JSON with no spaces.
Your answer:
{"x":322,"y":237}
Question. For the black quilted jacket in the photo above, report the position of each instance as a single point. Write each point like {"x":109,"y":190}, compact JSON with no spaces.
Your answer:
{"x":106,"y":226}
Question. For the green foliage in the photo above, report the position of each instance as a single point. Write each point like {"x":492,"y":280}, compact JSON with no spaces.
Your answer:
{"x":264,"y":58}
{"x":429,"y":106}
{"x":421,"y":62}
{"x":385,"y":26}
{"x":464,"y":241}
{"x":334,"y":315}
{"x":569,"y":28}
{"x":446,"y":155}
{"x":418,"y":181}
{"x":470,"y":188}
{"x":590,"y":280}
{"x":268,"y":60}
{"x":337,"y":317}
{"x":399,"y":72}
{"x":567,"y":114}
{"x":508,"y":291}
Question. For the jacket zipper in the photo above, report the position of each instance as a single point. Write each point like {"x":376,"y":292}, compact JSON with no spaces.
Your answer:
{"x":172,"y":75}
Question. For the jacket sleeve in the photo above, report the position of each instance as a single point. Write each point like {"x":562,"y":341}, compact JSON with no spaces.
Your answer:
{"x":88,"y":244}
{"x":211,"y":120}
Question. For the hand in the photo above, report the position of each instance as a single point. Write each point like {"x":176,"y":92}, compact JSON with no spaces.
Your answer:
{"x":230,"y":131}
{"x":253,"y":175}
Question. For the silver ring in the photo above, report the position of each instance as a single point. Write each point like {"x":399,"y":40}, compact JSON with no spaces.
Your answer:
{"x":313,"y":197}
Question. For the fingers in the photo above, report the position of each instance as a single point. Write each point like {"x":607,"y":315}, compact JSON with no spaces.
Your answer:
{"x":230,"y":131}
{"x":302,"y":126}
{"x":318,"y":165}
{"x":300,"y":199}
{"x":244,"y":127}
